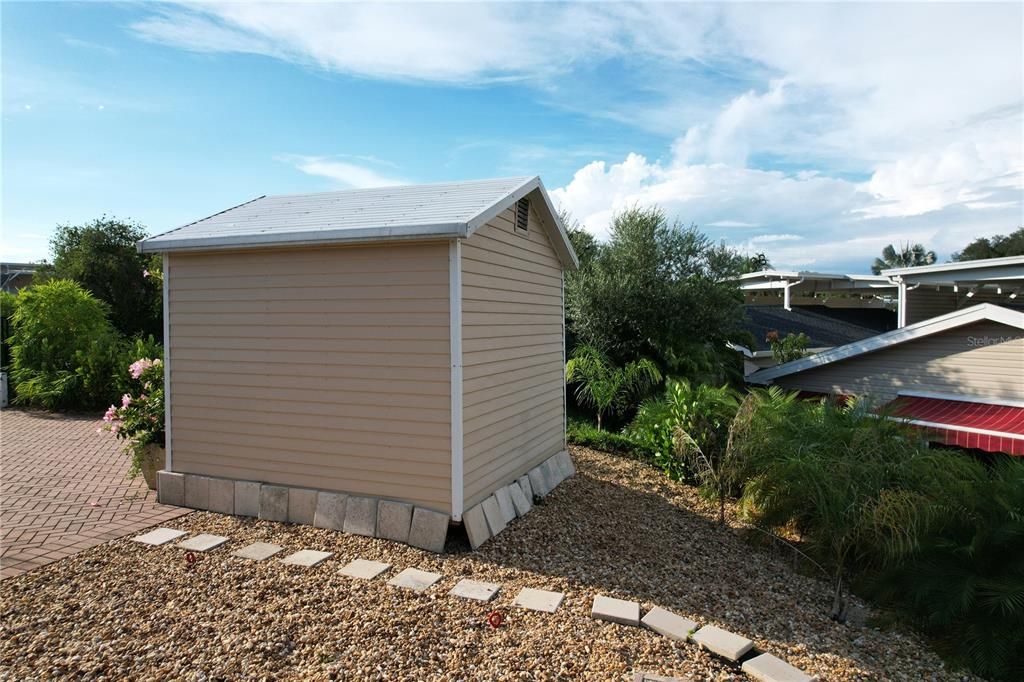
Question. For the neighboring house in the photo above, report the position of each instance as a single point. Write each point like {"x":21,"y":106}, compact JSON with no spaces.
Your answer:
{"x":930,"y":290}
{"x":402,"y":343}
{"x":960,"y":375}
{"x":15,"y":276}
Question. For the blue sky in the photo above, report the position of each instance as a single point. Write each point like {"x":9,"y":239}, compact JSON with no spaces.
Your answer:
{"x":815,"y":133}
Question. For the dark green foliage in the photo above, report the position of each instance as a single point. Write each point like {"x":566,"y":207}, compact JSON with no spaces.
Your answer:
{"x":102,"y":257}
{"x":789,"y":347}
{"x":656,"y":290}
{"x":581,"y":432}
{"x":603,"y":386}
{"x":998,"y":246}
{"x":63,"y":349}
{"x":128,"y":352}
{"x":701,"y":412}
{"x":907,"y":256}
{"x":963,"y":583}
{"x":756,"y":263}
{"x":7,"y":303}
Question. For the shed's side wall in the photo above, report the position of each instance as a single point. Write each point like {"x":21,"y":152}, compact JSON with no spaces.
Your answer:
{"x":326,"y":368}
{"x":512,"y":353}
{"x":984,"y":360}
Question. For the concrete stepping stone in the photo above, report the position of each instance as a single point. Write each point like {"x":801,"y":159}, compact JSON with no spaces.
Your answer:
{"x":159,"y":536}
{"x":722,"y":642}
{"x":364,"y":569}
{"x":768,"y":668}
{"x":668,"y":624}
{"x":306,"y":557}
{"x":475,"y":523}
{"x":615,"y":610}
{"x":492,"y":512}
{"x":414,"y":579}
{"x":474,"y":589}
{"x":539,"y":600}
{"x":203,"y":542}
{"x":257,"y":551}
{"x":519,"y":499}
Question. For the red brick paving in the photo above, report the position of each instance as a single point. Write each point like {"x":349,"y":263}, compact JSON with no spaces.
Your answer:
{"x":63,"y":489}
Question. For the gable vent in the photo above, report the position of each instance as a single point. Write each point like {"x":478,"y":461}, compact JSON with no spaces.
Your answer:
{"x":522,"y":215}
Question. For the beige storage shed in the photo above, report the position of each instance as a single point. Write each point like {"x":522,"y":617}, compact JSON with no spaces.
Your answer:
{"x":399,"y":344}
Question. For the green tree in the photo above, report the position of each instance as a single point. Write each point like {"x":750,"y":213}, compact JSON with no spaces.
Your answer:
{"x":63,"y":348}
{"x":789,"y":347}
{"x":583,"y":242}
{"x":101,"y":256}
{"x":605,"y":387}
{"x":999,"y":246}
{"x":657,"y":291}
{"x":906,"y":256}
{"x":756,"y":263}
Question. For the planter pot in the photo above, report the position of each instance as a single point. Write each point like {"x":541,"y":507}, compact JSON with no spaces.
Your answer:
{"x":152,"y":462}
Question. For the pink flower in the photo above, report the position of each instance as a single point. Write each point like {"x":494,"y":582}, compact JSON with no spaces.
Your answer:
{"x":126,"y":400}
{"x":139,"y":366}
{"x":114,"y":429}
{"x":110,"y":415}
{"x":145,"y":273}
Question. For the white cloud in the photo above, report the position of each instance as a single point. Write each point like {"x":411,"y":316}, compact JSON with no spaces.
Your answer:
{"x":347,"y":174}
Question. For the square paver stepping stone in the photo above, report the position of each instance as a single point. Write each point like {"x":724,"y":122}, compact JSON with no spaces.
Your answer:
{"x":257,"y":551}
{"x":306,"y":557}
{"x":492,"y":512}
{"x":476,"y":526}
{"x":203,"y":542}
{"x":415,"y":579}
{"x":615,"y":610}
{"x":521,"y":503}
{"x":539,"y":600}
{"x":362,"y":568}
{"x":722,"y":642}
{"x":768,"y":668}
{"x":504,"y":497}
{"x":474,"y":589}
{"x":429,"y":529}
{"x":668,"y":624}
{"x":394,"y":519}
{"x":159,"y":536}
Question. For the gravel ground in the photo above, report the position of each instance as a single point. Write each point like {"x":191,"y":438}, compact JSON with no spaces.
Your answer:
{"x":126,"y":611}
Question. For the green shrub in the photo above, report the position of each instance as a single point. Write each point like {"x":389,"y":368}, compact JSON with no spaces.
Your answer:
{"x":789,"y":347}
{"x":131,"y":350}
{"x":963,"y":582}
{"x":587,"y":435}
{"x":702,"y":412}
{"x":7,"y":303}
{"x":605,"y":387}
{"x":63,"y":348}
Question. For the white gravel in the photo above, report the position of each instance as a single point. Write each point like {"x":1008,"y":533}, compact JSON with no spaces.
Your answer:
{"x":619,"y":528}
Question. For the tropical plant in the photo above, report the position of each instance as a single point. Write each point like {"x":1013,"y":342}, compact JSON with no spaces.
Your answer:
{"x":139,"y":419}
{"x":102,"y":257}
{"x":789,"y":347}
{"x":654,"y":290}
{"x":906,"y":256}
{"x":7,"y":303}
{"x":962,"y":583}
{"x":756,"y":263}
{"x":687,"y":417}
{"x":605,"y":387}
{"x":854,"y":484}
{"x":583,"y":432}
{"x":998,"y":246}
{"x":63,"y":348}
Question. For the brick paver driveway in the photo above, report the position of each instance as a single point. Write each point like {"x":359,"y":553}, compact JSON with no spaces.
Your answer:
{"x":63,"y":489}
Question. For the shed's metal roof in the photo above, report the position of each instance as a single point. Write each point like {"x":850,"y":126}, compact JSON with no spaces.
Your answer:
{"x":443,"y":210}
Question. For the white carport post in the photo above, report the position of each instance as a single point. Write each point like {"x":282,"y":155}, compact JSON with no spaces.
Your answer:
{"x":901,"y":303}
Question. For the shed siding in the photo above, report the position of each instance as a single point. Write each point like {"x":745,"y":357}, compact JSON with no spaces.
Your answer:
{"x":326,"y":368}
{"x":512,"y":353}
{"x":984,"y":360}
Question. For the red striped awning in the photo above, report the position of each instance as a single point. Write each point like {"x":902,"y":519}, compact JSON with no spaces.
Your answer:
{"x":968,"y":424}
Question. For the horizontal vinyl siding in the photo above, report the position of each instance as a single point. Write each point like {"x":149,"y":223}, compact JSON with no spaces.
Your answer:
{"x":512,"y":353}
{"x":942,"y":363}
{"x":324,"y":368}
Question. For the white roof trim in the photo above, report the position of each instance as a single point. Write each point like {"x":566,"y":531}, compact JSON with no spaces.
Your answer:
{"x":1003,"y":402}
{"x":958,"y":318}
{"x":983,"y":263}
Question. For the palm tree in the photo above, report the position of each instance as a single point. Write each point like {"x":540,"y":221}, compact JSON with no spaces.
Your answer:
{"x":908,"y":256}
{"x":604,"y":386}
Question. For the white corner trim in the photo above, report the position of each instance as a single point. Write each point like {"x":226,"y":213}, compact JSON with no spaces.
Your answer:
{"x":1002,"y":402}
{"x":934,"y":325}
{"x":168,"y":461}
{"x":455,"y":346}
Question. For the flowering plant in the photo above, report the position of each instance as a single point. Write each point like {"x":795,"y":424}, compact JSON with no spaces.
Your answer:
{"x":139,"y":419}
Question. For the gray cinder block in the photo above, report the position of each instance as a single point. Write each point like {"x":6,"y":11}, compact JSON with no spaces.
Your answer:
{"x":301,"y":505}
{"x":197,"y":491}
{"x":222,"y":496}
{"x":330,"y":510}
{"x":521,"y":503}
{"x":538,"y":482}
{"x":504,"y":497}
{"x":247,"y":498}
{"x":492,"y":512}
{"x":394,"y":520}
{"x":476,"y":526}
{"x":524,"y":483}
{"x":361,"y":516}
{"x":428,"y":530}
{"x":565,"y":464}
{"x":170,"y":488}
{"x":273,"y":502}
